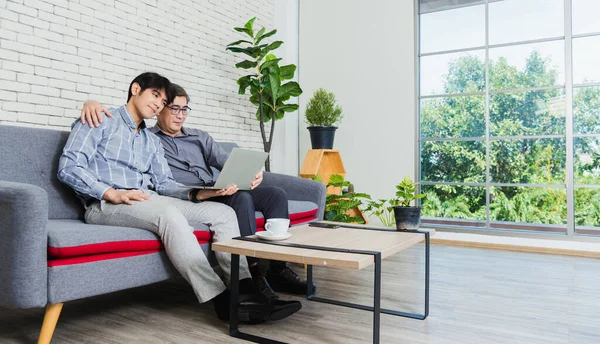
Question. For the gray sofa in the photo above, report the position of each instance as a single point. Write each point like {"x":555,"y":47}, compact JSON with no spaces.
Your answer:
{"x":50,"y":256}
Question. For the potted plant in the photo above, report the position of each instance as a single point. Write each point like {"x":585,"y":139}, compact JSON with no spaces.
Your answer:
{"x":266,"y":81}
{"x":322,"y":113}
{"x":383,"y":210}
{"x":407,"y":217}
{"x":338,"y":206}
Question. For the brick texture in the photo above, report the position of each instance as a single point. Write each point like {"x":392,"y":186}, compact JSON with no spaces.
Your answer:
{"x":55,"y":54}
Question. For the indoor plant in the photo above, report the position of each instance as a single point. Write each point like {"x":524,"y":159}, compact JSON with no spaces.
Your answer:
{"x":383,"y":210}
{"x":338,"y":206}
{"x":406,"y":217}
{"x":321,"y":114}
{"x":267,"y":90}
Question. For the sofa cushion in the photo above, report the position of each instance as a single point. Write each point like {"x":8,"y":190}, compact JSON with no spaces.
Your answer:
{"x":71,"y":238}
{"x":78,"y":241}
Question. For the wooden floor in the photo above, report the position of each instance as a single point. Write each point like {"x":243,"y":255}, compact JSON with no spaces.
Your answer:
{"x":477,"y":296}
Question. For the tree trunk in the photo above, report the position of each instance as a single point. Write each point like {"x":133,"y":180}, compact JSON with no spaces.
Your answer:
{"x":266,"y":144}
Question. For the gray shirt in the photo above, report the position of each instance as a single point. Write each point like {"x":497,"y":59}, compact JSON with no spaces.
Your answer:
{"x":191,"y":156}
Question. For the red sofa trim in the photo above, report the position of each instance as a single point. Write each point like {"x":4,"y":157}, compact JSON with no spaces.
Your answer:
{"x":294,"y":218}
{"x":96,"y":257}
{"x":118,"y":246}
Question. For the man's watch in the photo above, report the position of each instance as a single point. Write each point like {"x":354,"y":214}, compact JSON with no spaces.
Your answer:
{"x":194,"y":195}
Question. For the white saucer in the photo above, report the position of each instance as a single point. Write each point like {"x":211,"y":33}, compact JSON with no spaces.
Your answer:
{"x":267,"y":236}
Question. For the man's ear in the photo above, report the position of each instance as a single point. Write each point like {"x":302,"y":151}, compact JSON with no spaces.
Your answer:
{"x":135,"y":89}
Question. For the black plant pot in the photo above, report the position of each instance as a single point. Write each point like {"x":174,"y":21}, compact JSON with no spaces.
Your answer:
{"x":407,"y":217}
{"x":322,"y":137}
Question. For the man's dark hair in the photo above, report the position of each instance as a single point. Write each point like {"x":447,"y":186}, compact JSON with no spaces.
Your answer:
{"x":179,"y":91}
{"x":153,"y":81}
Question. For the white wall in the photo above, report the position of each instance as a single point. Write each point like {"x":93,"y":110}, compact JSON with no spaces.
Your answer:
{"x":55,"y":54}
{"x":285,"y":139}
{"x":364,"y":52}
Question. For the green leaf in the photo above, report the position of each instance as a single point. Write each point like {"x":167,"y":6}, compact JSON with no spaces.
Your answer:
{"x":244,"y":30}
{"x":260,"y":33}
{"x":248,"y":51}
{"x":291,"y":88}
{"x":279,"y":114}
{"x":246,"y":64}
{"x":268,"y":34}
{"x":361,"y":195}
{"x":287,"y":72}
{"x":336,"y":179}
{"x":356,"y":219}
{"x":288,"y":107}
{"x":269,"y":63}
{"x":244,"y":82}
{"x":250,"y":26}
{"x":267,"y":113}
{"x":270,"y":57}
{"x":270,"y":47}
{"x":274,"y":45}
{"x":238,"y":42}
{"x":274,"y":81}
{"x":317,"y":178}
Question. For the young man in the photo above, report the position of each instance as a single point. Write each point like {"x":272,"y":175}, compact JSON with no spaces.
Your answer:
{"x":190,"y":154}
{"x":120,"y":171}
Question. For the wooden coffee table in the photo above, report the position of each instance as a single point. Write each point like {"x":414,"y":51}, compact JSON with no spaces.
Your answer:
{"x":349,"y":247}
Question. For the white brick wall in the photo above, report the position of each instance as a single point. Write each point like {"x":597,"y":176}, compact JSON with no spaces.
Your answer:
{"x":55,"y":54}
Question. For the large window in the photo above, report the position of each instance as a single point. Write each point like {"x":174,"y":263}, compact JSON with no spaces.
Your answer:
{"x":509,"y":114}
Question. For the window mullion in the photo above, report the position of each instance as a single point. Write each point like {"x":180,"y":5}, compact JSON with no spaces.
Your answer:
{"x":570,"y":171}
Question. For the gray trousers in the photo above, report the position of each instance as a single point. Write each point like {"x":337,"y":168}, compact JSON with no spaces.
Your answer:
{"x":169,"y":218}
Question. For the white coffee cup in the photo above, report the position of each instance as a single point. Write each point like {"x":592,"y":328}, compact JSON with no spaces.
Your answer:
{"x":277,"y":227}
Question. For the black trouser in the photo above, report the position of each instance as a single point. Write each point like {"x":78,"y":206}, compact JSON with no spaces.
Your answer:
{"x":270,"y":200}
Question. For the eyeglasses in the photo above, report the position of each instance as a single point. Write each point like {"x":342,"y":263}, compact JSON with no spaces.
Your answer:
{"x":176,"y":109}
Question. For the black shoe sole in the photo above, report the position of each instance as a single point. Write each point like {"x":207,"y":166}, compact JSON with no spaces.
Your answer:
{"x":257,"y":316}
{"x":296,"y":290}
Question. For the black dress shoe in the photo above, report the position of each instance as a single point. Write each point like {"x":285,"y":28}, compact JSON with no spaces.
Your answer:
{"x":287,"y":281}
{"x":255,"y":309}
{"x":264,"y":288}
{"x":258,"y":285}
{"x":259,"y":310}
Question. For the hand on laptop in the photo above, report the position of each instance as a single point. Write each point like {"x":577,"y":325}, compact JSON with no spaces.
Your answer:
{"x":206,"y":194}
{"x":257,"y":180}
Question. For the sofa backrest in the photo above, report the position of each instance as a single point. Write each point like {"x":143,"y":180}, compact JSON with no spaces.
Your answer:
{"x":30,"y":155}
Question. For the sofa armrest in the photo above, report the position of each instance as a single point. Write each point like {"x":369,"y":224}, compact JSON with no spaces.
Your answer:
{"x":299,"y":189}
{"x":23,"y":245}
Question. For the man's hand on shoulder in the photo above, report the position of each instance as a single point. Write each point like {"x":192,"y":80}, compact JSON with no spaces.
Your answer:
{"x":203,"y":195}
{"x":92,"y":113}
{"x":257,"y":180}
{"x":124,"y":196}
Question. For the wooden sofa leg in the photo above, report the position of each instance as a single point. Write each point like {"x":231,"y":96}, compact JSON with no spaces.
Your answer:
{"x":50,"y":320}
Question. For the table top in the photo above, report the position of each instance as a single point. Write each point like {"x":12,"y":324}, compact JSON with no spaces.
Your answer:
{"x":386,"y":242}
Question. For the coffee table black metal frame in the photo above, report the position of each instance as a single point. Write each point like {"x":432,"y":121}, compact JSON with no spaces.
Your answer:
{"x":376,"y":308}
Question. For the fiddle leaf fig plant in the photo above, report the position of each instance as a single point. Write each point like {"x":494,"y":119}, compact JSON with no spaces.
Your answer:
{"x":266,"y":79}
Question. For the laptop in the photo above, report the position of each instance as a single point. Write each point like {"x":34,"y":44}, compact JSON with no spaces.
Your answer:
{"x":241,"y":167}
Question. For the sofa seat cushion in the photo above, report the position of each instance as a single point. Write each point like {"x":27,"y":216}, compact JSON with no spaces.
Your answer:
{"x":75,"y":242}
{"x":73,"y":238}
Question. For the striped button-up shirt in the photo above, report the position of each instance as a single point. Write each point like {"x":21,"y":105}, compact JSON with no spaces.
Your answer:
{"x":115,"y":156}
